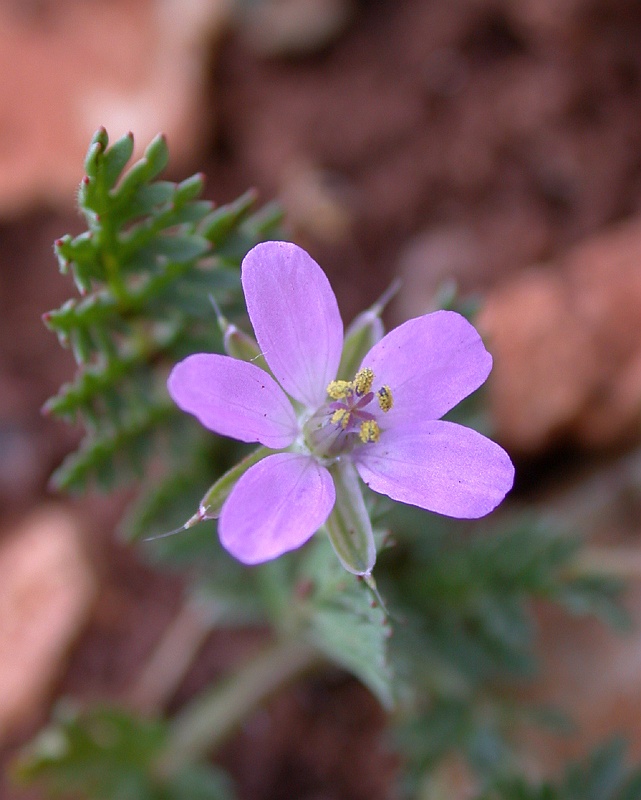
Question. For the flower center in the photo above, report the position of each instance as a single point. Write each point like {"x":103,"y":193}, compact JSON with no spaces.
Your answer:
{"x":349,"y":418}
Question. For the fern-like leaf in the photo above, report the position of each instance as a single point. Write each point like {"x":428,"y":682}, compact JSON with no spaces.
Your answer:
{"x":152,"y":254}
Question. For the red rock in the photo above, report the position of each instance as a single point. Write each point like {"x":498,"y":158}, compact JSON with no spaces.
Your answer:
{"x":566,"y":342}
{"x":590,"y":673}
{"x":295,"y":27}
{"x":71,"y":67}
{"x":46,"y":592}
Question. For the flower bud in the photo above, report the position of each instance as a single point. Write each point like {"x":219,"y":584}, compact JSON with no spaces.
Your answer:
{"x":237,"y":343}
{"x":349,"y":526}
{"x":363,"y":333}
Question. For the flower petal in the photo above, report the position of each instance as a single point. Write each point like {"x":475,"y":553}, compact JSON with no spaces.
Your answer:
{"x":430,"y":364}
{"x":295,"y":317}
{"x":275,"y":507}
{"x":234,"y":398}
{"x":439,"y":466}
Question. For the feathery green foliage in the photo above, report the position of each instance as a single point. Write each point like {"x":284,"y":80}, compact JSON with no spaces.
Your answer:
{"x":153,"y":253}
{"x":107,"y":754}
{"x":603,"y":775}
{"x":467,"y":633}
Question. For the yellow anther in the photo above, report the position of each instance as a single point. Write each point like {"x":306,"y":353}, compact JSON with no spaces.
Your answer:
{"x":337,"y":390}
{"x":385,"y":399}
{"x":370,"y":432}
{"x":363,"y":381}
{"x":341,"y":417}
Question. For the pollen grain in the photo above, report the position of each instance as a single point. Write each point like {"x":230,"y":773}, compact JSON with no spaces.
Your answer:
{"x":369,"y":432}
{"x":363,"y":381}
{"x":385,"y":399}
{"x":337,"y":390}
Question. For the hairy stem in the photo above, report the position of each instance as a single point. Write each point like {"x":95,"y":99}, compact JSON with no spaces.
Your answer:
{"x":171,"y":658}
{"x":213,"y":716}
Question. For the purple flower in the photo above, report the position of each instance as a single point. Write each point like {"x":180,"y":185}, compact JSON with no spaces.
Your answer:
{"x":384,"y":422}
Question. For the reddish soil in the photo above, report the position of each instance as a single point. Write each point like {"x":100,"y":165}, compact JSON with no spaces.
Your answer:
{"x":469,"y":138}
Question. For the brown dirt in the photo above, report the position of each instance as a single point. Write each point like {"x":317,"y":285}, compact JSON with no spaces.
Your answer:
{"x":471,"y":139}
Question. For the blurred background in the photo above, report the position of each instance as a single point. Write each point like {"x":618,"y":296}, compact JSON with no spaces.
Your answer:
{"x":490,"y":145}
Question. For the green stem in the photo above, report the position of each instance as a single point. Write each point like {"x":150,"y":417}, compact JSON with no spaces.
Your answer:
{"x":213,"y":716}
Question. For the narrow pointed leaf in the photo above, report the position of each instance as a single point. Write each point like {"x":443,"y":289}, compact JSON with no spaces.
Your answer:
{"x":115,"y":159}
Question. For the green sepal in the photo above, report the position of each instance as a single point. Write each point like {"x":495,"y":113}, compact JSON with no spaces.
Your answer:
{"x":349,"y":526}
{"x":362,"y":334}
{"x":212,"y":503}
{"x":239,"y":344}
